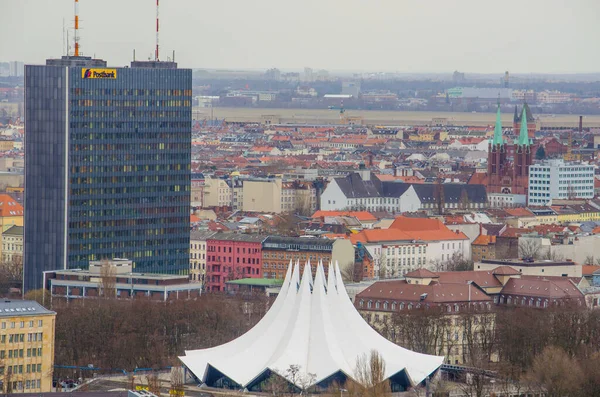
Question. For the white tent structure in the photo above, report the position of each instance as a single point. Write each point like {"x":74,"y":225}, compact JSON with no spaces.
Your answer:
{"x":313,"y":325}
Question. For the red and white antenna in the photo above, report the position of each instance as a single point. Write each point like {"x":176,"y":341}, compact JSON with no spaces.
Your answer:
{"x":77,"y":27}
{"x":156,"y":54}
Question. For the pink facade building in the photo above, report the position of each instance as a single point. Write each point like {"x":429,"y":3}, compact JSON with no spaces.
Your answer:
{"x":232,"y":256}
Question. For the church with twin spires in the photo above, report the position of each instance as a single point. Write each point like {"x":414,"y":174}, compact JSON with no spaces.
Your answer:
{"x":506,"y":173}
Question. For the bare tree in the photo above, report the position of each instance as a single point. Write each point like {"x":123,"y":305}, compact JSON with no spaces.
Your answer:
{"x":555,"y":373}
{"x":370,"y":374}
{"x":153,"y":383}
{"x":528,"y":248}
{"x":108,"y":280}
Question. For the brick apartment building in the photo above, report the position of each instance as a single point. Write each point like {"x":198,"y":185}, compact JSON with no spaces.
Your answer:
{"x":278,"y":251}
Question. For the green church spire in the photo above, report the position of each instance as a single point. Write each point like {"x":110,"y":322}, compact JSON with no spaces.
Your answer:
{"x":498,"y":129}
{"x":523,"y":134}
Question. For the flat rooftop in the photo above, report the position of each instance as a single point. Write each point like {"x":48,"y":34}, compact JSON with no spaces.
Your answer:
{"x":521,"y":262}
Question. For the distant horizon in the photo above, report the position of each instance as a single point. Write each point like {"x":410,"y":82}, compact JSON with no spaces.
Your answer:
{"x":351,"y":71}
{"x":406,"y":36}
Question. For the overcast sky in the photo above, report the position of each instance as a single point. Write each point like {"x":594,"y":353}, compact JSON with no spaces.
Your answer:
{"x":522,"y":36}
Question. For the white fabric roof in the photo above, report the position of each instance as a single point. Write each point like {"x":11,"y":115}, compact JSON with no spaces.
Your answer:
{"x":314,"y":325}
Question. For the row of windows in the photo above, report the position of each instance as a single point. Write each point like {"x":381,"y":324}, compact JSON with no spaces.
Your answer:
{"x":127,"y":168}
{"x":295,"y":255}
{"x":129,"y":113}
{"x":406,"y":250}
{"x":250,"y":261}
{"x":129,"y":212}
{"x":31,"y":324}
{"x":130,"y":126}
{"x":142,"y":158}
{"x":131,"y":200}
{"x":12,"y":247}
{"x":130,"y":190}
{"x":103,"y":136}
{"x":18,"y":353}
{"x":129,"y":92}
{"x":135,"y":255}
{"x":228,"y":249}
{"x":117,"y":103}
{"x":129,"y":148}
{"x":409,"y":306}
{"x":137,"y":223}
{"x":17,"y":338}
{"x":18,"y":369}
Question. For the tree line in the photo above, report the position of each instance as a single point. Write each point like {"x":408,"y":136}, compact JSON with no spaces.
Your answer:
{"x":554,"y":350}
{"x":126,"y":334}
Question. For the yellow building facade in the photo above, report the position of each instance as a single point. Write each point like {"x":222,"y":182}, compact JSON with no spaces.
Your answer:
{"x":26,"y":347}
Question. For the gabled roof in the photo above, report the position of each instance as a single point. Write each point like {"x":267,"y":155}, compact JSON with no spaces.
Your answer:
{"x":421,"y":273}
{"x":401,"y":291}
{"x":505,"y":271}
{"x":14,"y":231}
{"x":547,"y":287}
{"x":453,"y":192}
{"x":353,"y":186}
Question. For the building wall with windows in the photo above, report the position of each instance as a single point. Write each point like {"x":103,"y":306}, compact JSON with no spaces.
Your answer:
{"x":107,"y":166}
{"x":231,"y":256}
{"x":217,"y":193}
{"x":198,"y":255}
{"x":12,"y":245}
{"x":278,"y":251}
{"x":556,"y":179}
{"x":26,"y":347}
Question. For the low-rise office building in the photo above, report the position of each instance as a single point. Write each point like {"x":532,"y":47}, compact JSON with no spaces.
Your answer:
{"x":115,"y":279}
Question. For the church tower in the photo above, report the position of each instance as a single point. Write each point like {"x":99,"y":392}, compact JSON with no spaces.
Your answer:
{"x":529,"y":121}
{"x":522,"y":158}
{"x":497,"y":181}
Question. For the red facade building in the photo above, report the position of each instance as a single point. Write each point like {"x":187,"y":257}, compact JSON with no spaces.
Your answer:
{"x":231,"y":256}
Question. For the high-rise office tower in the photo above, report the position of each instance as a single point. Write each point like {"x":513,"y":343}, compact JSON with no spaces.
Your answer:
{"x":107,"y":165}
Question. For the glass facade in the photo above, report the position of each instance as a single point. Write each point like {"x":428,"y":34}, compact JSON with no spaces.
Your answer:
{"x":45,"y":162}
{"x":128,"y":170}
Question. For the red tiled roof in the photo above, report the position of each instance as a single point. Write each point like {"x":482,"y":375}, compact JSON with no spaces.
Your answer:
{"x":515,"y":232}
{"x":484,"y":239}
{"x":483,"y":278}
{"x":519,"y":211}
{"x":426,"y":229}
{"x":588,"y":270}
{"x":401,"y":291}
{"x":505,"y":271}
{"x":421,"y":273}
{"x":543,"y":287}
{"x":377,"y":235}
{"x":9,"y":207}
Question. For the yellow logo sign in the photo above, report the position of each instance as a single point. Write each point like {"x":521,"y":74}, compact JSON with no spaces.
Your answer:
{"x":98,"y":73}
{"x":139,"y":388}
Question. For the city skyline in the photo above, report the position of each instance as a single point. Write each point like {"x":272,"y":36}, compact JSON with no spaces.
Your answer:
{"x":343,"y":36}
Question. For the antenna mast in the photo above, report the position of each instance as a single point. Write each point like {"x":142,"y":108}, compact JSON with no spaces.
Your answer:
{"x":77,"y":28}
{"x":156,"y":54}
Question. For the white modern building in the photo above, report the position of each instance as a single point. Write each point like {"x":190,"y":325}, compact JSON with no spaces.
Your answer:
{"x":314,"y":327}
{"x":557,"y":179}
